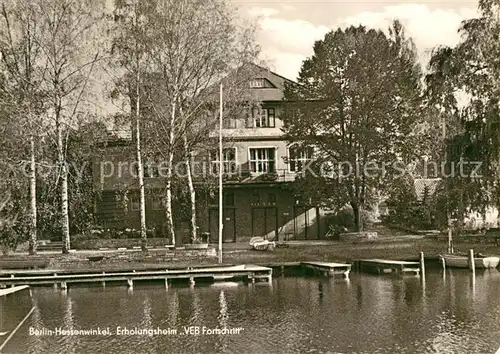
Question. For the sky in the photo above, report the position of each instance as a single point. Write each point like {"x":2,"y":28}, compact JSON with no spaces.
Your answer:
{"x":287,"y":29}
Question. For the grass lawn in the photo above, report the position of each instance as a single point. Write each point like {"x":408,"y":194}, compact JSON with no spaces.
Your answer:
{"x":335,"y":252}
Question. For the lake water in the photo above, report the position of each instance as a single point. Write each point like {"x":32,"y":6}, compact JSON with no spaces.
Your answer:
{"x":368,"y":314}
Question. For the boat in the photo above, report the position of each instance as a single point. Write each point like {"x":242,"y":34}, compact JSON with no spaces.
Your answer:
{"x":261,"y":244}
{"x":461,"y":261}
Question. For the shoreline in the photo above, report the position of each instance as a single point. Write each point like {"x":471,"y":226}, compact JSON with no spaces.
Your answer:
{"x":161,"y":258}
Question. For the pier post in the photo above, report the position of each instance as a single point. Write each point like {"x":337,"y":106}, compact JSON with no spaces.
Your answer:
{"x":422,"y":265}
{"x":443,"y":262}
{"x":130,"y":283}
{"x":166,"y":283}
{"x":64,"y":286}
{"x":191,"y":281}
{"x":472,"y":264}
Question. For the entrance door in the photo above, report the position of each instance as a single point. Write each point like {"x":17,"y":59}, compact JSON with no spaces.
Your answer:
{"x":264,"y":221}
{"x":229,"y":229}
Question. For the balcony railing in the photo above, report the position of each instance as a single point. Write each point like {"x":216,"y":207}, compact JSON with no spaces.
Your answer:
{"x":280,"y":175}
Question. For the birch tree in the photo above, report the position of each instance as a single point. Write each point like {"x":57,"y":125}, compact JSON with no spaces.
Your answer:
{"x":14,"y":204}
{"x":196,"y":44}
{"x":71,"y":54}
{"x":20,"y":29}
{"x":130,"y":46}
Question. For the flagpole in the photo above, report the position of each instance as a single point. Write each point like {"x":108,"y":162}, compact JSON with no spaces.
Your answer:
{"x":221,"y":170}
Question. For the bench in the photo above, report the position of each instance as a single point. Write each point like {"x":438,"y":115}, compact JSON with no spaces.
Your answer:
{"x":49,"y":246}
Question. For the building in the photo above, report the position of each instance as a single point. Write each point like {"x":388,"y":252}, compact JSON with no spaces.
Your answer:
{"x":259,"y":166}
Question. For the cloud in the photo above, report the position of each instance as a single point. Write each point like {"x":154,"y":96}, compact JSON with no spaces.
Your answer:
{"x":427,"y":27}
{"x":294,"y":35}
{"x":288,"y":7}
{"x":286,"y":64}
{"x":287,"y":42}
{"x":262,"y":11}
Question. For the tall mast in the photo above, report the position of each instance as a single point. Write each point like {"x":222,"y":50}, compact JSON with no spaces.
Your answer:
{"x":221,"y":171}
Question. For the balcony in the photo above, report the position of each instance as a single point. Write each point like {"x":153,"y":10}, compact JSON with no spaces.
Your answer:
{"x":244,"y":177}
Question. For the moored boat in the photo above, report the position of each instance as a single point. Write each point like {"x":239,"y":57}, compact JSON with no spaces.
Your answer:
{"x":480,"y":262}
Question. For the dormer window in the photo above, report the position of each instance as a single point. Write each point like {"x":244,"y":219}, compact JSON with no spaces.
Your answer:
{"x":258,"y":83}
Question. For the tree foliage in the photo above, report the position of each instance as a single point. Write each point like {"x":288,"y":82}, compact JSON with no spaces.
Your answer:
{"x":357,"y":101}
{"x":464,"y":86}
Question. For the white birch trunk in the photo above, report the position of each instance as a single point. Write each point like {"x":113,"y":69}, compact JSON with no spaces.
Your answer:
{"x":140,"y":169}
{"x":33,"y":206}
{"x":66,"y":246}
{"x":168,"y":198}
{"x":192,"y":192}
{"x":170,"y":162}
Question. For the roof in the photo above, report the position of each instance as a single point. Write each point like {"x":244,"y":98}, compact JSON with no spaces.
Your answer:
{"x":269,"y":94}
{"x":421,"y":184}
{"x":273,"y":91}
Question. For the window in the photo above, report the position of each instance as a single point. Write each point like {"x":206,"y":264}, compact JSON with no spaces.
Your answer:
{"x":149,"y":170}
{"x":156,"y":203}
{"x":299,"y":157}
{"x":229,"y":123}
{"x":229,"y":158}
{"x":135,"y":202}
{"x":262,"y":160}
{"x":258,"y":83}
{"x":263,"y":118}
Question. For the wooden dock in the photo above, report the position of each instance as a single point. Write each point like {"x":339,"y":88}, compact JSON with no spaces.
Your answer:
{"x":328,"y":268}
{"x":4,"y":292}
{"x":250,"y":272}
{"x":384,"y":266}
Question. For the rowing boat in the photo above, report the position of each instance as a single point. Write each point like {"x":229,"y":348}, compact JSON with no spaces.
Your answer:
{"x":480,"y":262}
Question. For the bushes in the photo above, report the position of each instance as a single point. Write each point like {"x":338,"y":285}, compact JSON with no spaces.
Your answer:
{"x":83,"y":243}
{"x":344,"y":218}
{"x":14,"y":223}
{"x":406,"y":210}
{"x":107,"y":234}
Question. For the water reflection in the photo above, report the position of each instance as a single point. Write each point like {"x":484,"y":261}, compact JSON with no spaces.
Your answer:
{"x":223,"y":320}
{"x":222,"y":309}
{"x":147,"y":310}
{"x":472,"y":282}
{"x":173,"y":309}
{"x":68,"y":321}
{"x":372,"y":314}
{"x":197,"y":308}
{"x":359,"y":295}
{"x":320,"y":292}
